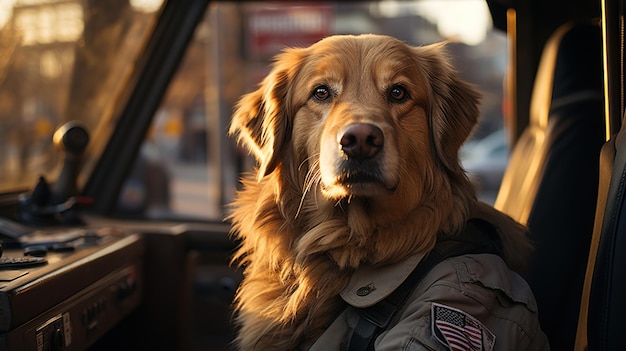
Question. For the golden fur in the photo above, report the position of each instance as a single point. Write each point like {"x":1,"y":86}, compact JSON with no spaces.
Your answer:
{"x":311,"y":214}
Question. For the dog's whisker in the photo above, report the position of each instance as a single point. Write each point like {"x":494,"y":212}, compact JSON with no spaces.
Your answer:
{"x":300,"y":204}
{"x":312,"y":177}
{"x":311,"y":157}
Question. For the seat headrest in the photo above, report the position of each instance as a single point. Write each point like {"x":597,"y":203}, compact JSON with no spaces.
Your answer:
{"x":559,"y":78}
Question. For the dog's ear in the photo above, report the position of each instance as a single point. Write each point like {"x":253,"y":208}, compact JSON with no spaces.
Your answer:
{"x":453,"y":110}
{"x":261,"y":120}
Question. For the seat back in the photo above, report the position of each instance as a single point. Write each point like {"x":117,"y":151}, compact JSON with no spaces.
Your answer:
{"x":605,"y":221}
{"x":602,"y":311}
{"x":551,"y":181}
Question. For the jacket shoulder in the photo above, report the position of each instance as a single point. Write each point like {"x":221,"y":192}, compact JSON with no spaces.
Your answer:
{"x":480,"y":286}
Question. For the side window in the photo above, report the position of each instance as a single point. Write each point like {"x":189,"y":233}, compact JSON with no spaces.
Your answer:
{"x":189,"y":168}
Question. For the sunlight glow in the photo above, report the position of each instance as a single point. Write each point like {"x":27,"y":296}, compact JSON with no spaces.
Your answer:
{"x":146,"y":5}
{"x":6,"y":11}
{"x":467,"y":21}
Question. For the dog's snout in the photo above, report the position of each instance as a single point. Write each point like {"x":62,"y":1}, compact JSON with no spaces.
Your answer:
{"x":361,"y":140}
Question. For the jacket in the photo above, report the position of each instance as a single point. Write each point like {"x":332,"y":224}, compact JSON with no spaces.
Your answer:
{"x":491,"y":301}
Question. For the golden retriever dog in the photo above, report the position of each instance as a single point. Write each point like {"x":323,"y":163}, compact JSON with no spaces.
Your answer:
{"x":357,"y":141}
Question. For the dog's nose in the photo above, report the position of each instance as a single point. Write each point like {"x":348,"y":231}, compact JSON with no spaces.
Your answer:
{"x":361,"y":140}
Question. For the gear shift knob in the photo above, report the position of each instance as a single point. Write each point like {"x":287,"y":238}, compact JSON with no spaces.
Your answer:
{"x":72,"y":139}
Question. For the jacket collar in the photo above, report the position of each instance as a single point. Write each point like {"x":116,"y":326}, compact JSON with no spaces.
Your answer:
{"x":370,"y":284}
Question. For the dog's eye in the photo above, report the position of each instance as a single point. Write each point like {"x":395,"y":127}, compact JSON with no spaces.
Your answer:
{"x":398,"y":93}
{"x":321,"y":93}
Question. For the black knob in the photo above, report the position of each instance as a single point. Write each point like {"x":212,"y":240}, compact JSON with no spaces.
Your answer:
{"x":58,"y":340}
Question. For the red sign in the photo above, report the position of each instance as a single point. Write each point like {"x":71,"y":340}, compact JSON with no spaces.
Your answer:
{"x":272,"y":27}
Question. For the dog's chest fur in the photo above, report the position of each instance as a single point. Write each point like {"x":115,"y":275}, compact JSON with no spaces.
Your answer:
{"x":295,"y":269}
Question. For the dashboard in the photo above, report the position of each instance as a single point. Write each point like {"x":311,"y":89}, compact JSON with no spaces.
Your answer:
{"x":69,"y":298}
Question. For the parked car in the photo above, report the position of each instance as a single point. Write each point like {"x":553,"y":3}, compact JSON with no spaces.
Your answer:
{"x":485,"y":161}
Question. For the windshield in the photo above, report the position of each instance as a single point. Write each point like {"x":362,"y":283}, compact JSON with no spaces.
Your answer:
{"x":63,"y":61}
{"x":76,"y":60}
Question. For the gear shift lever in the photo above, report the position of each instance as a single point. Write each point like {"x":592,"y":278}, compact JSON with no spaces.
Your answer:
{"x":72,"y":139}
{"x":54,"y":205}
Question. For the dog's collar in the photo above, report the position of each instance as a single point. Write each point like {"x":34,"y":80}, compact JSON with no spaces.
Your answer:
{"x":370,"y":284}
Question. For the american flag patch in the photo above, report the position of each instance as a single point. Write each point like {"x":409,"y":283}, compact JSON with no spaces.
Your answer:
{"x":459,"y":330}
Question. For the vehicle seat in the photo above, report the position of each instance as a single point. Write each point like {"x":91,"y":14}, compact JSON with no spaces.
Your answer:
{"x":603,"y":307}
{"x":551,"y":181}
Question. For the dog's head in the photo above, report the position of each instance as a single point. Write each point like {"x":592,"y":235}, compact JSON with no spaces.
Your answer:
{"x":360,"y":117}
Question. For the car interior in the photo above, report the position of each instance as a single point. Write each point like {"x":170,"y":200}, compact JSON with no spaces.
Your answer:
{"x":563,"y":138}
{"x":108,"y":244}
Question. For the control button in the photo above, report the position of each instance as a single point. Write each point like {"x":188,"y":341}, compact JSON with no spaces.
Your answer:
{"x":63,"y":247}
{"x":58,"y":340}
{"x":35,"y":250}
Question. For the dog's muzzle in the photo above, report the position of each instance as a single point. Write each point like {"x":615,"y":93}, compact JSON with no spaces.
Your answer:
{"x":356,"y":162}
{"x":360,"y":144}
